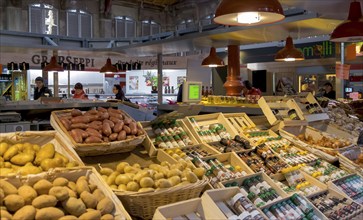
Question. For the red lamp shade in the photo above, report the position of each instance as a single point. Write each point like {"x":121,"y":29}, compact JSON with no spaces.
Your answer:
{"x":213,"y":60}
{"x":53,"y":66}
{"x":248,"y":12}
{"x":289,"y":52}
{"x":108,"y":67}
{"x":350,"y":30}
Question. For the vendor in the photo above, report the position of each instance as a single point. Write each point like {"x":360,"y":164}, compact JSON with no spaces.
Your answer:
{"x":248,"y":89}
{"x":79,"y":92}
{"x":119,"y":94}
{"x":328,"y":91}
{"x":40,"y":90}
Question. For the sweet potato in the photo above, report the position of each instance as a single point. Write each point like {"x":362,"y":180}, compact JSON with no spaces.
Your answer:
{"x":127,"y":120}
{"x":106,"y":129}
{"x":115,"y":120}
{"x":103,"y":115}
{"x":66,"y":123}
{"x":80,"y":119}
{"x":97,"y":125}
{"x":93,"y":139}
{"x":94,"y":117}
{"x":76,"y":112}
{"x":109,"y":122}
{"x":77,"y":137}
{"x":116,"y":111}
{"x":139,"y":132}
{"x":133,"y":128}
{"x":81,"y":132}
{"x":101,"y":109}
{"x":121,"y":136}
{"x":106,"y":139}
{"x":92,"y":112}
{"x":113,"y":136}
{"x":115,"y":115}
{"x":118,"y":126}
{"x":79,"y":125}
{"x":93,"y":132}
{"x":126,"y":129}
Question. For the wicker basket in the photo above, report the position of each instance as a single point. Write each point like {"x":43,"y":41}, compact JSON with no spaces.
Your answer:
{"x":94,"y":149}
{"x":143,"y":205}
{"x":73,"y":174}
{"x":346,"y":163}
{"x":42,"y":138}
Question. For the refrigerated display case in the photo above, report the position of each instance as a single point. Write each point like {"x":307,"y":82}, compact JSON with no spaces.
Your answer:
{"x":20,"y":82}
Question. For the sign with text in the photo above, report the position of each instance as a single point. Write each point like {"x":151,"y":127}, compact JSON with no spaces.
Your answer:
{"x":342,"y":71}
{"x":354,"y":95}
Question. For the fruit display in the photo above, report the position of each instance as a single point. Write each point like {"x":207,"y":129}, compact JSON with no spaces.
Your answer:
{"x":57,"y":199}
{"x":188,"y":153}
{"x":155,"y":177}
{"x":170,"y":135}
{"x":339,"y":118}
{"x":336,"y":207}
{"x":323,"y":171}
{"x":294,"y":207}
{"x":262,"y":159}
{"x":296,"y":182}
{"x":327,"y":142}
{"x":98,"y":126}
{"x":26,"y":158}
{"x":231,"y":145}
{"x":351,"y":186}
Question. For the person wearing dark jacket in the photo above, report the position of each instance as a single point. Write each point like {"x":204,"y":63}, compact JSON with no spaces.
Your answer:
{"x":117,"y":90}
{"x":329,"y":92}
{"x":40,"y":90}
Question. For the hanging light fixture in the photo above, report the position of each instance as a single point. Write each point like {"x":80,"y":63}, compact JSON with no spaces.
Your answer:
{"x":350,"y":30}
{"x":213,"y":60}
{"x":248,"y":12}
{"x":289,"y":52}
{"x":53,"y":66}
{"x":108,"y":67}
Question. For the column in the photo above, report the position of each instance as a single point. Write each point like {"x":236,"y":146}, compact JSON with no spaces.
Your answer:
{"x":233,"y":84}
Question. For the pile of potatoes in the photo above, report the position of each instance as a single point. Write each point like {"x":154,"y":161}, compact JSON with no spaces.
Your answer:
{"x":101,"y":125}
{"x":155,"y":177}
{"x":26,"y":158}
{"x":60,"y":199}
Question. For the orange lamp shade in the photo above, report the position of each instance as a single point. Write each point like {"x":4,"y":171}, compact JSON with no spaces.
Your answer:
{"x":108,"y":67}
{"x":213,"y":60}
{"x":53,"y":65}
{"x":289,"y":52}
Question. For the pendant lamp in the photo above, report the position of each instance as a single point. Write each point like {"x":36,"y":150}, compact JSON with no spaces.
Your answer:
{"x":248,"y":12}
{"x":53,"y":66}
{"x":289,"y":52}
{"x":213,"y":60}
{"x":108,"y":67}
{"x":350,"y":30}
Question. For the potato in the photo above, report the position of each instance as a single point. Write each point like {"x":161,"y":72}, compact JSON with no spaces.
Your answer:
{"x":107,"y":217}
{"x":71,"y":164}
{"x":60,"y":181}
{"x":146,"y":190}
{"x":12,"y":151}
{"x":71,"y":192}
{"x":5,"y":215}
{"x":132,"y":186}
{"x":113,"y":186}
{"x":69,"y":217}
{"x":104,"y":177}
{"x":158,"y":176}
{"x":130,"y":169}
{"x":3,"y":148}
{"x":191,"y":177}
{"x":89,"y":199}
{"x":122,"y":187}
{"x":28,"y":194}
{"x":26,"y":170}
{"x":98,"y":194}
{"x":121,"y":166}
{"x":174,"y":172}
{"x":81,"y":186}
{"x":25,"y":213}
{"x":106,"y":206}
{"x":121,"y":136}
{"x":59,"y":192}
{"x":174,"y":180}
{"x":91,"y":215}
{"x":111,"y":179}
{"x":49,"y":213}
{"x":44,"y":201}
{"x":61,"y":156}
{"x":22,"y":158}
{"x":48,"y":163}
{"x":46,"y":152}
{"x":2,"y":196}
{"x":92,"y":187}
{"x":72,"y":185}
{"x":8,"y":188}
{"x":163,"y":183}
{"x":122,"y":179}
{"x":146,"y":182}
{"x":106,"y":171}
{"x":199,"y":172}
{"x":74,"y":206}
{"x":6,"y":171}
{"x":42,"y":186}
{"x":14,"y":202}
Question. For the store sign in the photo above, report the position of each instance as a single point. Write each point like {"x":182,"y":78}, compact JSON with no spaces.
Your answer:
{"x":342,"y":71}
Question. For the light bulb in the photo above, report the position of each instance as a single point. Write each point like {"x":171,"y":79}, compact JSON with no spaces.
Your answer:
{"x":212,"y":65}
{"x":248,"y":17}
{"x":289,"y":59}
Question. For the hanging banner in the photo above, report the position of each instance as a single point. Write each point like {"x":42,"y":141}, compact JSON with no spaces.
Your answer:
{"x":342,"y":71}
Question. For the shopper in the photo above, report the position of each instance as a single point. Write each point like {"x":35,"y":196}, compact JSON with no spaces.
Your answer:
{"x":79,"y":92}
{"x":119,"y":93}
{"x":40,"y":90}
{"x":328,"y":91}
{"x":248,"y":89}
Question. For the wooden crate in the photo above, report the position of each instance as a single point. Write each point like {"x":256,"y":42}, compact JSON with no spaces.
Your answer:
{"x":333,"y":186}
{"x":206,"y":120}
{"x":210,"y":197}
{"x":305,"y":97}
{"x":283,"y":104}
{"x":150,"y":136}
{"x":73,"y":174}
{"x":41,"y":138}
{"x":240,"y":121}
{"x":174,"y":210}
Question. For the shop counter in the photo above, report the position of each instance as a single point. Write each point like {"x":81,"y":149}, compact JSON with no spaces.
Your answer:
{"x":195,"y":109}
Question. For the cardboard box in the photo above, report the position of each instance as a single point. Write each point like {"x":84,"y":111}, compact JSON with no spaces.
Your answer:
{"x":180,"y":208}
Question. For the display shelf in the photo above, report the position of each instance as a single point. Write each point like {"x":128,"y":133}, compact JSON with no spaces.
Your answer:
{"x":210,"y":197}
{"x":276,"y":110}
{"x":240,"y":121}
{"x":204,"y":123}
{"x":177,"y":210}
{"x":302,"y":99}
{"x":349,"y":187}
